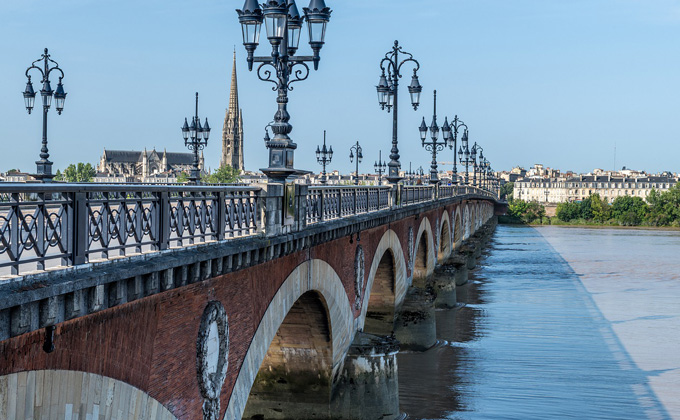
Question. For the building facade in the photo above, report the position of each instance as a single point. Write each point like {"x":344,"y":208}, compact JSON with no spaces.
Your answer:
{"x":143,"y":166}
{"x":560,"y":190}
{"x":232,"y":132}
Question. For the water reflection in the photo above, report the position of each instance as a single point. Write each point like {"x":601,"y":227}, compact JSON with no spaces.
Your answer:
{"x":528,"y":343}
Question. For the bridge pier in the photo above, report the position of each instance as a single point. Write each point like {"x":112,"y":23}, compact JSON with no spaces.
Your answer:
{"x":415,"y":326}
{"x":368,"y":387}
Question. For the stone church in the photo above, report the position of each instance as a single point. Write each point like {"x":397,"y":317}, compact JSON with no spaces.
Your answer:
{"x":232,"y":132}
{"x":146,"y":165}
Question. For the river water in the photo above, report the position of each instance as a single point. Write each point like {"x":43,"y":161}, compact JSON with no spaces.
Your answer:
{"x":557,"y":323}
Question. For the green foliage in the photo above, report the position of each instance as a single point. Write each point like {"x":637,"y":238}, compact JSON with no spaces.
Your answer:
{"x":664,"y":208}
{"x":567,"y":212}
{"x":13,"y":171}
{"x":224,"y":175}
{"x":183,"y":177}
{"x":507,"y":190}
{"x":629,"y":211}
{"x":80,"y":172}
{"x":599,"y":208}
{"x":528,"y":212}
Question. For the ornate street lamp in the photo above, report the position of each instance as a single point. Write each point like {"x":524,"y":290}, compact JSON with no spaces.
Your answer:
{"x":283,"y":24}
{"x":388,"y":93}
{"x":44,"y":166}
{"x":433,"y":145}
{"x":324,"y":157}
{"x":475,"y":167}
{"x":380,"y":167}
{"x":359,"y":155}
{"x":464,"y":156}
{"x":450,"y":132}
{"x":195,"y":139}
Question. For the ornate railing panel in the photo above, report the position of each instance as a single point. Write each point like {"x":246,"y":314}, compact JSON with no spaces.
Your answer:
{"x":43,"y":226}
{"x":412,"y":194}
{"x":330,"y":203}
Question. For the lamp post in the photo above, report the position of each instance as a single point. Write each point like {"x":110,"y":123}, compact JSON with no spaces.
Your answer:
{"x":464,"y":156}
{"x":324,"y":157}
{"x":452,"y":134}
{"x":434,"y":145}
{"x":284,"y":24}
{"x":475,"y":167}
{"x":409,"y":174}
{"x":195,"y":139}
{"x":44,"y":166}
{"x":388,"y":97}
{"x":380,"y":167}
{"x":352,"y":150}
{"x":420,"y":174}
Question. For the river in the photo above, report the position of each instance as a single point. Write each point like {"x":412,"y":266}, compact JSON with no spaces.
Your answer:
{"x":557,"y":323}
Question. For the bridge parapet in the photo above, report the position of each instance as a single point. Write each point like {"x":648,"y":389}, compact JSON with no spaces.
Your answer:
{"x":46,"y":227}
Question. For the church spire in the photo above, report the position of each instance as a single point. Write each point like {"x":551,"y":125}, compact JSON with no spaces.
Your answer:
{"x":233,"y":94}
{"x":232,"y":132}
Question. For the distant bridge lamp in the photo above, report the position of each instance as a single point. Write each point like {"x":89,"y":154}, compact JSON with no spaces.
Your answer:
{"x":464,"y":156}
{"x":323,"y":157}
{"x":283,"y":24}
{"x":44,"y":166}
{"x":452,"y":134}
{"x":476,"y":149}
{"x":434,"y":145}
{"x":359,"y":157}
{"x":380,"y":167}
{"x":388,"y":97}
{"x":195,"y":139}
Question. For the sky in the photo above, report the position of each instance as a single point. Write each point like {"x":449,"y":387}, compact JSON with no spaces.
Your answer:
{"x":564,"y":83}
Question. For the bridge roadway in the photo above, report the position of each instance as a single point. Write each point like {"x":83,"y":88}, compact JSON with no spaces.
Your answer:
{"x":207,"y":302}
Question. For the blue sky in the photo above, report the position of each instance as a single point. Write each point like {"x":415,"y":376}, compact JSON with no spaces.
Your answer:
{"x":558,"y":82}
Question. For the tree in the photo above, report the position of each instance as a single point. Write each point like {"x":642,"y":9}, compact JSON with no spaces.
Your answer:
{"x":183,"y":177}
{"x":224,"y":175}
{"x":507,"y":190}
{"x":80,"y":172}
{"x":567,"y":212}
{"x":586,"y":209}
{"x":664,"y":207}
{"x":527,"y":212}
{"x":629,"y":211}
{"x":600,"y":209}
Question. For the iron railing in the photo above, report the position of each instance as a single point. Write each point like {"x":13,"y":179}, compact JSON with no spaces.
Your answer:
{"x":43,"y":226}
{"x":330,"y":203}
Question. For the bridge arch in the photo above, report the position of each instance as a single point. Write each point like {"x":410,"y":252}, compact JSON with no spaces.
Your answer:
{"x":313,"y":285}
{"x":445,"y":241}
{"x":78,"y":393}
{"x":386,"y":285}
{"x":424,"y":255}
{"x":458,"y":230}
{"x":466,"y":222}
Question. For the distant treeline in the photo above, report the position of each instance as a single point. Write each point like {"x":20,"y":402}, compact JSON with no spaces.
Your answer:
{"x":660,"y":209}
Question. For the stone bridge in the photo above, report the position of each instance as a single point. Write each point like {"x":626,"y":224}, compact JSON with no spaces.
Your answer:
{"x":281,"y":301}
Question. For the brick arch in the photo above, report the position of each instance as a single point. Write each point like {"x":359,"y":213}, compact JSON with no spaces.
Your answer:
{"x":310,"y":276}
{"x":389,"y":244}
{"x":445,"y":238}
{"x":100,"y":395}
{"x":458,"y":230}
{"x":466,"y":222}
{"x":424,"y":254}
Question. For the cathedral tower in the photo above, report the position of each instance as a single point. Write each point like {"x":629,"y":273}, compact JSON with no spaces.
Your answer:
{"x":232,"y":132}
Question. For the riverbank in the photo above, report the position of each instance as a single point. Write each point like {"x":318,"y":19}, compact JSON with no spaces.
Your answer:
{"x":553,"y":221}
